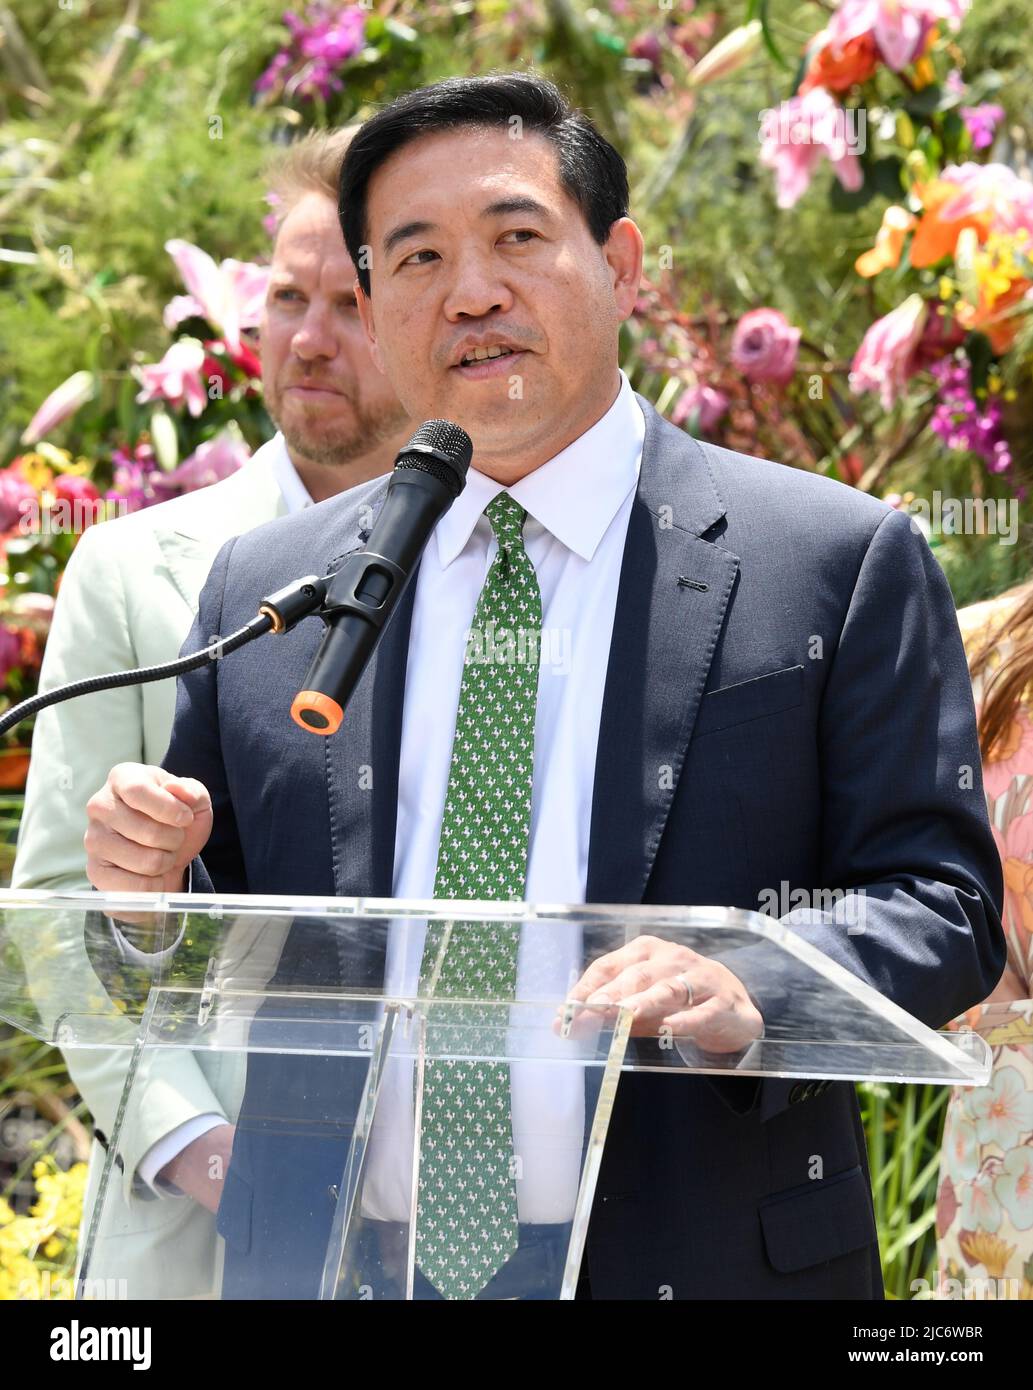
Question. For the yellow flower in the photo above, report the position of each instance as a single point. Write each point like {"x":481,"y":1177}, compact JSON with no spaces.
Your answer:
{"x":35,"y":471}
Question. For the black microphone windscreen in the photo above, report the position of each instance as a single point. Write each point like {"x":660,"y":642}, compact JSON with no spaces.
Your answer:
{"x":442,"y":449}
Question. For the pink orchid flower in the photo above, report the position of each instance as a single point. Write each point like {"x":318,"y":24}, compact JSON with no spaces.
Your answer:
{"x":229,"y":296}
{"x":177,"y":377}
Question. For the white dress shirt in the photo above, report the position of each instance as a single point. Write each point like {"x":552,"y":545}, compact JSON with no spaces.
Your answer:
{"x":296,"y":497}
{"x":578,"y":505}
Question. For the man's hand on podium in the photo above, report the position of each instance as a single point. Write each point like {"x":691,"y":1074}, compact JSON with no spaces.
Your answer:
{"x":145,"y":826}
{"x":672,"y":988}
{"x":199,"y":1170}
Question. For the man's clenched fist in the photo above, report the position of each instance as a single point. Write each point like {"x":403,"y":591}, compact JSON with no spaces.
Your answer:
{"x":145,"y":826}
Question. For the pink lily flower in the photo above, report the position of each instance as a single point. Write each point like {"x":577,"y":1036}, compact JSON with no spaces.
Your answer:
{"x":801,"y":132}
{"x":886,"y":358}
{"x":900,"y":27}
{"x":177,"y":377}
{"x":211,"y":462}
{"x":230,"y":296}
{"x":62,"y":402}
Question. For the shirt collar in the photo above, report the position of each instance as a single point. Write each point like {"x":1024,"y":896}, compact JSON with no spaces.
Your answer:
{"x":295,"y":494}
{"x":575,"y":495}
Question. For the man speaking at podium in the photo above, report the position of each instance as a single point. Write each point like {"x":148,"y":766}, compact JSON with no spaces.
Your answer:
{"x":765,"y":684}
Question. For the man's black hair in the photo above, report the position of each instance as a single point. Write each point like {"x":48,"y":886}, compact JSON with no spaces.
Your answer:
{"x":591,"y":170}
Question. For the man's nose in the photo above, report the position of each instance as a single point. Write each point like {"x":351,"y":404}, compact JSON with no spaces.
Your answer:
{"x":477,"y":289}
{"x":315,"y":336}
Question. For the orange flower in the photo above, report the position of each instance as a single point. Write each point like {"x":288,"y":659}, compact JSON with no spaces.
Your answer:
{"x":889,"y":243}
{"x":935,"y":236}
{"x":838,"y":69}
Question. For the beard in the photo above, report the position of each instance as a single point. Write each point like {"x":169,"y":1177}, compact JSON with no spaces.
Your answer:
{"x":309,"y":435}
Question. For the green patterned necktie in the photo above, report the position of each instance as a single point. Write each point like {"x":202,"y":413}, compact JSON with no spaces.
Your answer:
{"x":467,"y":1207}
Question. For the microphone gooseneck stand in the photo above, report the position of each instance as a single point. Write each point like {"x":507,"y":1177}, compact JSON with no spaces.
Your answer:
{"x":278,"y":613}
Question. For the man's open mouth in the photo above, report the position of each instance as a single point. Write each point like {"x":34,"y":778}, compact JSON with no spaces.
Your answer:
{"x":486,"y":355}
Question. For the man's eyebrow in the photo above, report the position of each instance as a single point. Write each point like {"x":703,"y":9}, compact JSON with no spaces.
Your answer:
{"x":502,"y":207}
{"x":405,"y":231}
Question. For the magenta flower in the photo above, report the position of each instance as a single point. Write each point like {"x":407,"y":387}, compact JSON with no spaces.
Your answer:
{"x":886,"y":358}
{"x":329,"y":35}
{"x":981,"y":122}
{"x":764,"y":346}
{"x":177,"y":377}
{"x":17,"y":497}
{"x":704,"y":402}
{"x":965,"y":423}
{"x":797,"y":135}
{"x":211,"y":462}
{"x":230,"y":296}
{"x":326,"y":38}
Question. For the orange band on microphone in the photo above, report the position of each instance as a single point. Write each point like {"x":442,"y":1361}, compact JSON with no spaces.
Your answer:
{"x":316,"y":713}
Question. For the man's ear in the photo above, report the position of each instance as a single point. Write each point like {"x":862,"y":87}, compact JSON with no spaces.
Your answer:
{"x":624,"y":251}
{"x":365,"y":308}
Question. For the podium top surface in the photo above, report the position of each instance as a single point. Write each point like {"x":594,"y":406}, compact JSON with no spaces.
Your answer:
{"x":317,"y":974}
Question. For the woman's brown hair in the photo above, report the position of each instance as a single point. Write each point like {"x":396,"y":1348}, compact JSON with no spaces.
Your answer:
{"x":1005,"y":688}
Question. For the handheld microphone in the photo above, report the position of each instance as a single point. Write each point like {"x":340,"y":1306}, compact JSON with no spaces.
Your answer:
{"x":430,"y":473}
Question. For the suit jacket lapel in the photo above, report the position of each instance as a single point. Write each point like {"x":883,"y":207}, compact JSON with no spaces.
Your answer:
{"x":362,"y":759}
{"x":674,"y":589}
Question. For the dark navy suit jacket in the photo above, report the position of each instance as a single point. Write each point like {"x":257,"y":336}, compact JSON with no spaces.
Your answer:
{"x":806,"y":693}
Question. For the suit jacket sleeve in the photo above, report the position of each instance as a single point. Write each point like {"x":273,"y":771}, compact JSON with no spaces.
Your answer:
{"x":904,"y":817}
{"x":195,"y":749}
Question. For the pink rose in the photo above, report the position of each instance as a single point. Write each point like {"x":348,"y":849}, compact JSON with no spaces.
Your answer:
{"x":765,"y":345}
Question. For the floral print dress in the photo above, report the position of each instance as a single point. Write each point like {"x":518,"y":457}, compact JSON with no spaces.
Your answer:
{"x":984,"y":1208}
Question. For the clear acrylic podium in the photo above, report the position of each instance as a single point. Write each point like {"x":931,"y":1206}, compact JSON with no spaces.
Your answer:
{"x":300,"y":1022}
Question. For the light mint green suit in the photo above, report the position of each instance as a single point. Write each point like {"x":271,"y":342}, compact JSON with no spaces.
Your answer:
{"x":128,"y":598}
